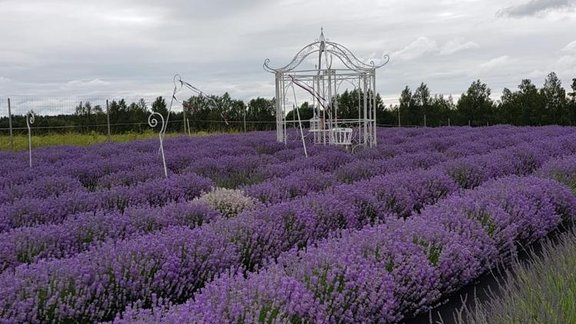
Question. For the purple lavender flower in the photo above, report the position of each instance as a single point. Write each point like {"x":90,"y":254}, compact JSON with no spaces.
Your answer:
{"x":86,"y":230}
{"x":266,"y":297}
{"x":97,"y":284}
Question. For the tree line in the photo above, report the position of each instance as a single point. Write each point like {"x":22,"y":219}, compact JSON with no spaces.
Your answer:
{"x":527,"y":105}
{"x":198,"y":113}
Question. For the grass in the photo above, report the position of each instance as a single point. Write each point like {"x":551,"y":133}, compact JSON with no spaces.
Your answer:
{"x":542,"y":290}
{"x":21,"y":141}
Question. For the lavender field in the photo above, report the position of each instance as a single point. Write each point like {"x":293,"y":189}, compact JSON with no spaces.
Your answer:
{"x":246,"y":230}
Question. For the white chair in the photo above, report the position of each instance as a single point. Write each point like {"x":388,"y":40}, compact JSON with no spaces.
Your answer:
{"x":341,"y":136}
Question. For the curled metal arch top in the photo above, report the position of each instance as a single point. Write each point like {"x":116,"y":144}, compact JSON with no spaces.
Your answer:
{"x":352,"y":59}
{"x":298,"y":58}
{"x":344,"y":54}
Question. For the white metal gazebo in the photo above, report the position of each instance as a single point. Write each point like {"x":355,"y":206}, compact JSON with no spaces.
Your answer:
{"x":322,"y":84}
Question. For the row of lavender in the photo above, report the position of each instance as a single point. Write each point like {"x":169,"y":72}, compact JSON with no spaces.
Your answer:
{"x":174,"y":263}
{"x":79,"y":207}
{"x":25,"y":204}
{"x":29,"y":244}
{"x":57,"y":208}
{"x":370,"y":276}
{"x":386,"y":272}
{"x":64,"y":172}
{"x":107,"y":165}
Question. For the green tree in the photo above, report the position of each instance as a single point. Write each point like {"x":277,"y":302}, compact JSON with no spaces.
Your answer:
{"x":523,"y":107}
{"x":572,"y":94}
{"x":262,"y":111}
{"x":159,"y":106}
{"x":136,"y":115}
{"x":348,"y":103}
{"x":509,"y":110}
{"x":408,"y":112}
{"x":83,"y":109}
{"x":119,"y":116}
{"x":384,"y":116}
{"x":306,"y":112}
{"x":85,"y":116}
{"x":441,"y":111}
{"x":531,"y":103}
{"x":555,"y":105}
{"x":351,"y":103}
{"x":422,"y":102}
{"x":215,"y":112}
{"x":572,"y":102}
{"x":475,"y":106}
{"x":97,"y":109}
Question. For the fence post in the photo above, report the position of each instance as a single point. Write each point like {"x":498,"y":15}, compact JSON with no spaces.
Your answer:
{"x":10,"y":125}
{"x":184,"y":117}
{"x":82,"y":120}
{"x":108,"y":119}
{"x":244,"y":117}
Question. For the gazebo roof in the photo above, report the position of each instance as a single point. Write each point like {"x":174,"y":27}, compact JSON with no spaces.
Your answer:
{"x":323,"y":46}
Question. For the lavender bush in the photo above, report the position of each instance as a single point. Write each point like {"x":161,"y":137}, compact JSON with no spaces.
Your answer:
{"x":229,"y":202}
{"x":342,"y":236}
{"x":85,"y":230}
{"x":382,"y":273}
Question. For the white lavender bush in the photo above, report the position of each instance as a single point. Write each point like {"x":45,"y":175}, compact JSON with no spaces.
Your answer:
{"x":230,"y":202}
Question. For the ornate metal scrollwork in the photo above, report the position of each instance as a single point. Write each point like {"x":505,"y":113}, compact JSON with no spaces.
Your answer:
{"x":297,"y":60}
{"x":327,"y":47}
{"x":155,"y":118}
{"x":153,"y":122}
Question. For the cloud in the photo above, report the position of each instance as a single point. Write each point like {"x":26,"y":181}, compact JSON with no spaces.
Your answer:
{"x":424,"y":45}
{"x":457,"y":45}
{"x":535,"y":74}
{"x":136,"y":46}
{"x":492,"y":64}
{"x":495,"y":62}
{"x":417,"y":48}
{"x":566,"y":65}
{"x":200,"y":9}
{"x":95,"y":83}
{"x":535,"y":7}
{"x":571,"y":47}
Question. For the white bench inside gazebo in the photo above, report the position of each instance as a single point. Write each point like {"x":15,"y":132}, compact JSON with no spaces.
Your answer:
{"x":341,"y":136}
{"x":336,"y":135}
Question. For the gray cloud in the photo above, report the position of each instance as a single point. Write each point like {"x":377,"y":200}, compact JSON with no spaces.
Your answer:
{"x":111,"y":48}
{"x":571,"y":47}
{"x":535,"y":7}
{"x":457,"y":45}
{"x":419,"y":47}
{"x":199,"y":9}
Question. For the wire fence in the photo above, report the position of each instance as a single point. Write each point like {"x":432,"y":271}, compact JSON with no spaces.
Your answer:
{"x":89,"y":115}
{"x":107,"y":116}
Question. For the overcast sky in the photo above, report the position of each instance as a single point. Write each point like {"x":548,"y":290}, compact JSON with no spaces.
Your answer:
{"x":132,"y":48}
